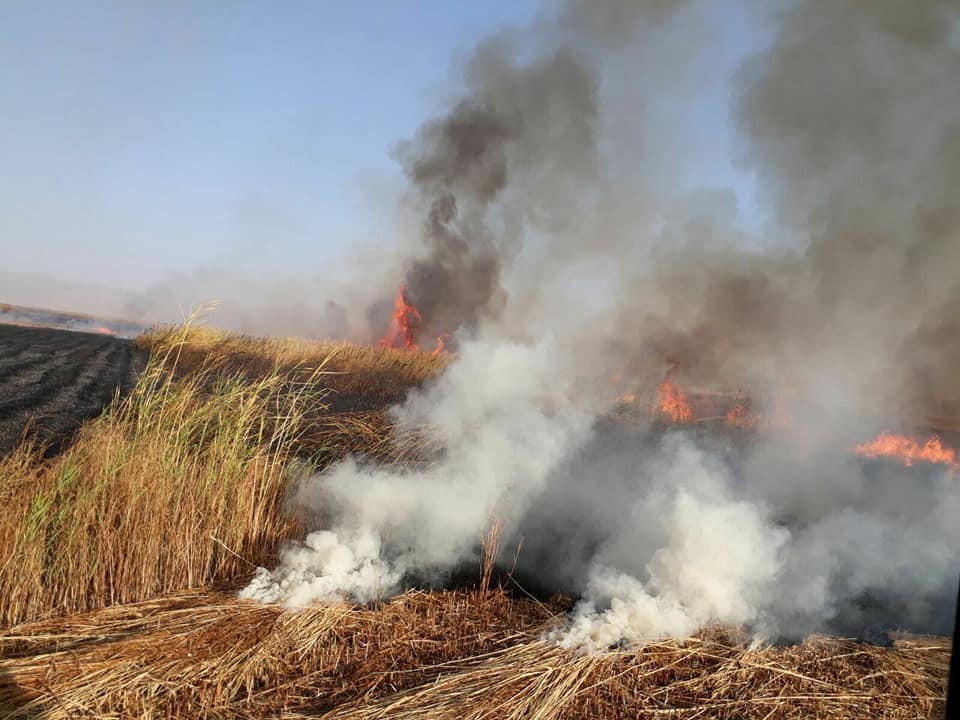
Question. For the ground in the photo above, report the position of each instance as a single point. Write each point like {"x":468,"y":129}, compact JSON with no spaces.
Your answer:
{"x":52,"y":380}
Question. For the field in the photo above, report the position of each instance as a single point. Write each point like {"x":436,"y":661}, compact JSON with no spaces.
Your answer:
{"x":51,"y":380}
{"x":121,"y":551}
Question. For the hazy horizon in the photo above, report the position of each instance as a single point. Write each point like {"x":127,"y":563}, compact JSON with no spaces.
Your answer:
{"x":184,"y":152}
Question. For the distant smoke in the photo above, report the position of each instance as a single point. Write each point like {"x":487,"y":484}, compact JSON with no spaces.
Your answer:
{"x":521,"y":125}
{"x":565,"y":242}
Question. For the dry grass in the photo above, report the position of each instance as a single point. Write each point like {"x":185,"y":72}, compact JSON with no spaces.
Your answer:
{"x":179,"y":485}
{"x":712,"y":676}
{"x":215,"y":656}
{"x":360,"y":384}
{"x":463,"y":656}
{"x":358,"y":377}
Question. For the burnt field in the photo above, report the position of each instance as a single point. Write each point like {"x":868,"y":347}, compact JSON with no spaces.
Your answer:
{"x":52,"y":380}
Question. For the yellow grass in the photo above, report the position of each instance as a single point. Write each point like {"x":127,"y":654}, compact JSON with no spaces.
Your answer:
{"x":357,"y":376}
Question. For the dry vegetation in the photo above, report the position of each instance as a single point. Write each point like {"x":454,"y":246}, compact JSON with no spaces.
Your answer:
{"x":118,"y":556}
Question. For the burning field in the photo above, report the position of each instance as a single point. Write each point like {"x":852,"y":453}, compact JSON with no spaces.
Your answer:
{"x":592,"y":440}
{"x":399,"y":581}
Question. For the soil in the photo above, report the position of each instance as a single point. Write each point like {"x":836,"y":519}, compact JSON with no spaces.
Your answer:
{"x":53,"y":380}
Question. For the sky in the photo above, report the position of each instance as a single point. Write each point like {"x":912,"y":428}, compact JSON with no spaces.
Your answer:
{"x":142,"y":139}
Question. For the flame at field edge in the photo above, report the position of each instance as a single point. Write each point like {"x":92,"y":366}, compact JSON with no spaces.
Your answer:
{"x":909,"y":450}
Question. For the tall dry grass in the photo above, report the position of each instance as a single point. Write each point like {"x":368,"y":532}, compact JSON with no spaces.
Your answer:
{"x":360,"y":382}
{"x":357,"y":377}
{"x":178,"y":485}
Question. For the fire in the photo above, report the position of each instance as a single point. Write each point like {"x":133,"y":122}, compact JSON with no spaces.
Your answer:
{"x":740,"y":415}
{"x":673,"y":403}
{"x":441,"y":344}
{"x":908,"y":449}
{"x":403,"y":325}
{"x":104,"y":331}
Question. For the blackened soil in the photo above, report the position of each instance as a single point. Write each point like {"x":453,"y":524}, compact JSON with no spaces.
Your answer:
{"x":53,"y":380}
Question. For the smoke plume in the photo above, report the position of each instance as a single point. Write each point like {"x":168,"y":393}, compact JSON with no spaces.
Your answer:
{"x":564,"y":242}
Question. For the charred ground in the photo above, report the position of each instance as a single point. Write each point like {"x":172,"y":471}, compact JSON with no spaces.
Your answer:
{"x":52,"y":380}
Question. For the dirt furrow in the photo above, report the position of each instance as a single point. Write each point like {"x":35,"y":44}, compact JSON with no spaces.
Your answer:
{"x":52,"y":380}
{"x":38,"y":382}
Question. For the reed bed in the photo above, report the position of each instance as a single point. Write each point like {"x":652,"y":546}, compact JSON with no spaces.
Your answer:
{"x":179,"y":485}
{"x":357,"y":377}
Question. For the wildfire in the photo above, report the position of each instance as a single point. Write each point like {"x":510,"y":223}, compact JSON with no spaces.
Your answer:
{"x":104,"y":331}
{"x":441,"y":344}
{"x":672,"y":403}
{"x":908,"y":449}
{"x":740,"y":415}
{"x":403,"y":325}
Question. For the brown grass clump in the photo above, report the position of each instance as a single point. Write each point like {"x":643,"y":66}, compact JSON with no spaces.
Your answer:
{"x":360,"y":384}
{"x":182,"y":483}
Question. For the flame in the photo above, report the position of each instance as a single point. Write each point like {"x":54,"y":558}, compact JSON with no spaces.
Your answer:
{"x":441,"y":344}
{"x":673,"y":403}
{"x":740,"y":415}
{"x":104,"y":331}
{"x":403,"y":324}
{"x":908,"y":449}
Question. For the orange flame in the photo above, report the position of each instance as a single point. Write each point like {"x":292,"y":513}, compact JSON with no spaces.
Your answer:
{"x":673,"y":403}
{"x":441,"y":344}
{"x":104,"y":331}
{"x":740,"y":415}
{"x":907,"y":450}
{"x":403,"y":324}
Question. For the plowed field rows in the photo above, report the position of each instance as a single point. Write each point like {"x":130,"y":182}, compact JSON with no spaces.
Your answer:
{"x":52,"y":380}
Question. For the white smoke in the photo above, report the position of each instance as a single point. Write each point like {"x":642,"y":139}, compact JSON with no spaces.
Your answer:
{"x":705,"y":558}
{"x":847,"y":306}
{"x":506,"y":417}
{"x":687,"y":539}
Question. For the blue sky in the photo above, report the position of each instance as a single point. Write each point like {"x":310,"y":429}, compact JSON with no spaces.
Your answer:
{"x":143,"y":138}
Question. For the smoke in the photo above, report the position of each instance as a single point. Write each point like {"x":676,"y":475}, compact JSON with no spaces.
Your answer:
{"x":521,"y":124}
{"x":505,"y":418}
{"x":564,"y":241}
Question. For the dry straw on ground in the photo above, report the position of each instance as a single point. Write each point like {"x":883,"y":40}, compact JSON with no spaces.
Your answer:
{"x":457,"y":655}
